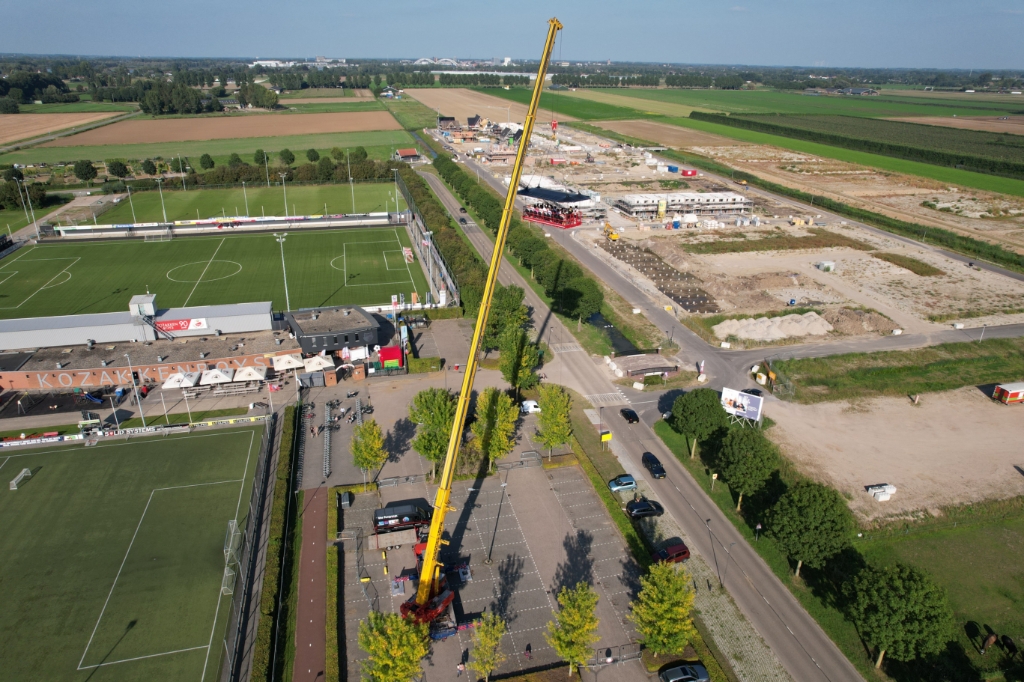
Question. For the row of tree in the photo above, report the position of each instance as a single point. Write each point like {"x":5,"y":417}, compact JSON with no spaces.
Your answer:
{"x":164,"y":98}
{"x":12,"y":194}
{"x":897,"y":609}
{"x":463,"y":79}
{"x":23,"y":87}
{"x":604,"y":80}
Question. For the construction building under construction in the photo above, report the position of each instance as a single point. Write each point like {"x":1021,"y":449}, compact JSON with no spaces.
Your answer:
{"x":655,"y":206}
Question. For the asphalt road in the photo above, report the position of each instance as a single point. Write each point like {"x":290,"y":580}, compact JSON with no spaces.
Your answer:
{"x":800,"y":644}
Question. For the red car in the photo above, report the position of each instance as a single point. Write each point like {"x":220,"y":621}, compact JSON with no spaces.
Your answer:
{"x":674,"y":553}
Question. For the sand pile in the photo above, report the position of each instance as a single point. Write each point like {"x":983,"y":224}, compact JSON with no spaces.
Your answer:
{"x":774,"y":328}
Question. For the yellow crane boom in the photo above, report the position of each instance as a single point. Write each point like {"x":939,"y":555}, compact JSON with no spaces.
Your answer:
{"x":430,"y":599}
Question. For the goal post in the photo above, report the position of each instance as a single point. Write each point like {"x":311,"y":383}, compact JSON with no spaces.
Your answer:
{"x":232,"y":543}
{"x":160,"y":236}
{"x":25,"y":473}
{"x":227,"y":583}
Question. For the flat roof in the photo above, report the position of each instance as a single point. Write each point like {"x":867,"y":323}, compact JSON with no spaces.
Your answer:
{"x":1012,"y":388}
{"x":683,"y":197}
{"x":229,"y":310}
{"x":26,"y":324}
{"x":333,"y":320}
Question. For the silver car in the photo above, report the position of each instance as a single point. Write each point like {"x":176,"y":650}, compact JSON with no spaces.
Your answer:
{"x":689,"y":672}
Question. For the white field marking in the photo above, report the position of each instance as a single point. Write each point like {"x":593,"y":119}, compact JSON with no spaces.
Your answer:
{"x":185,"y":304}
{"x":48,"y":286}
{"x":125,"y":560}
{"x":47,"y":283}
{"x":27,"y":251}
{"x":4,"y":462}
{"x":139,"y":658}
{"x":70,"y":449}
{"x":216,"y":279}
{"x":387,"y":265}
{"x":11,"y":274}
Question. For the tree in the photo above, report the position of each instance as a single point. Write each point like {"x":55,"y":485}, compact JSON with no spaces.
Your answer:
{"x":486,"y":654}
{"x":811,"y":523}
{"x":8,"y":106}
{"x":367,"y":446}
{"x":661,"y":611}
{"x":900,"y":611}
{"x":698,"y":414}
{"x":148,"y":167}
{"x":395,"y":646}
{"x":118,"y":169}
{"x":260,"y":157}
{"x":286,"y":156}
{"x":433,"y":410}
{"x":338,"y":153}
{"x":555,"y":425}
{"x":313,"y":155}
{"x":234,"y":161}
{"x":507,"y":310}
{"x":574,"y":630}
{"x":495,"y":424}
{"x":206,"y":161}
{"x":325,"y":169}
{"x":519,"y":357}
{"x":747,"y":459}
{"x":84,"y":170}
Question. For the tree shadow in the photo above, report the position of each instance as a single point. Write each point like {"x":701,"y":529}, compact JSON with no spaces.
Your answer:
{"x":398,"y":439}
{"x":668,"y":399}
{"x":578,"y":566}
{"x":949,"y":665}
{"x":510,"y":572}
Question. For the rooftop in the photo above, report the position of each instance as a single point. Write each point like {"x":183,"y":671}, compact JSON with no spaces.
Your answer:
{"x":333,"y":320}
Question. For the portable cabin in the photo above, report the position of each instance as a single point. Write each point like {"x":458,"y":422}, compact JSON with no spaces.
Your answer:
{"x":1009,"y":393}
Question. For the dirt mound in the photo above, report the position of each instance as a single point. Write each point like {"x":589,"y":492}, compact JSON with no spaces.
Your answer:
{"x":853,"y":322}
{"x":774,"y":328}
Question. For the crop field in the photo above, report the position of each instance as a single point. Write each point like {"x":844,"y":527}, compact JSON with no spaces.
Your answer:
{"x":616,"y":98}
{"x":112,"y":557}
{"x":330,"y":106}
{"x":990,"y":124}
{"x":951,"y":176}
{"x":15,"y":127}
{"x":464,"y":102}
{"x":972,"y":143}
{"x":262,"y":200}
{"x":325,"y":268}
{"x":413,"y":115}
{"x":227,"y":127}
{"x":309,"y":93}
{"x":566,"y":105}
{"x":773,"y":102}
{"x":377,"y":143}
{"x":77,"y":108}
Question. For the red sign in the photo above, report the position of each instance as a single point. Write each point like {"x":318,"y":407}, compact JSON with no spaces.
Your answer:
{"x":181,"y":325}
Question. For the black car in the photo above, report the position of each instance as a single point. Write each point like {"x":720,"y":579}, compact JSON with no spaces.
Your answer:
{"x":642,"y":508}
{"x":462,"y":210}
{"x":753,"y":391}
{"x":462,"y":221}
{"x":629,"y":415}
{"x":652,"y":464}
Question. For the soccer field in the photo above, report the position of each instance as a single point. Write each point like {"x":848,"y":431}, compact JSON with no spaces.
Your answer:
{"x":111,"y":557}
{"x":215,"y":203}
{"x":325,"y":268}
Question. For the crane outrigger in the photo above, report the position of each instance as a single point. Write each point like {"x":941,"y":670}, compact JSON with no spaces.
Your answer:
{"x":433,"y":596}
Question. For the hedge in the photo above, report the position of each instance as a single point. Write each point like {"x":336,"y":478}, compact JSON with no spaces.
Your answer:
{"x":424,"y":365}
{"x":263,"y":646}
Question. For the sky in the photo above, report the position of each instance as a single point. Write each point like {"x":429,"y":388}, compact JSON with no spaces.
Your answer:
{"x":941,"y":34}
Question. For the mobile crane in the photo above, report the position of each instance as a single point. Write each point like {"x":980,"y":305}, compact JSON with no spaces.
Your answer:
{"x":433,"y":597}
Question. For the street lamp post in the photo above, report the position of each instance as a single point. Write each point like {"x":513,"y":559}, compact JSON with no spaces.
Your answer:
{"x":24,"y":204}
{"x":31,"y":208}
{"x":160,"y":186}
{"x":284,"y":273}
{"x":266,"y":167}
{"x":728,"y":555}
{"x":285,"y":190}
{"x":131,"y":203}
{"x":181,"y":169}
{"x":135,"y":388}
{"x":246,"y":197}
{"x":348,"y":163}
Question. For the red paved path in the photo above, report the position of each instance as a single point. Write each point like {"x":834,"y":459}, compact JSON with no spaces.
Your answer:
{"x":311,"y":614}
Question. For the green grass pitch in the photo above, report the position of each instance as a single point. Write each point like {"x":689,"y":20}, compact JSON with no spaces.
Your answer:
{"x":262,"y":200}
{"x":111,"y":557}
{"x":325,"y":268}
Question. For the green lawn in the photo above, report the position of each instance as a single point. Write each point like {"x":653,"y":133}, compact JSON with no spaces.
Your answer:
{"x":412,"y":115}
{"x":76,"y":107}
{"x":332,"y":107}
{"x":14,"y":219}
{"x":774,"y":102}
{"x":244,"y":146}
{"x":213,"y":203}
{"x":314,"y":92}
{"x":566,"y":104}
{"x":343,"y":267}
{"x":111,"y":557}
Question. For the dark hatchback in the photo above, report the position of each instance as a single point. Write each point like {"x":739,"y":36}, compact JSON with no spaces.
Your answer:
{"x":642,"y":508}
{"x":630,"y":415}
{"x":652,"y":464}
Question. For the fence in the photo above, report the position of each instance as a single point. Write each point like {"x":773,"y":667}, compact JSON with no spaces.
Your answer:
{"x":438,"y":272}
{"x":243,"y":594}
{"x":401,"y":480}
{"x":778,"y":382}
{"x":614,"y":654}
{"x":300,"y":444}
{"x":327,"y":440}
{"x":355,"y":535}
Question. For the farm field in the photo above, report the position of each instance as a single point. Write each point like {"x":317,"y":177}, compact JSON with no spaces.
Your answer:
{"x":991,"y":124}
{"x":773,"y":102}
{"x":213,"y":203}
{"x":564,"y":105}
{"x":377,"y":143}
{"x":309,"y":93}
{"x":412,"y":114}
{"x":333,"y":106}
{"x":463,"y":103}
{"x":338,"y":267}
{"x":112,"y":557}
{"x":974,"y":143}
{"x":15,"y":127}
{"x":77,"y":108}
{"x":616,"y":98}
{"x":185,"y":129}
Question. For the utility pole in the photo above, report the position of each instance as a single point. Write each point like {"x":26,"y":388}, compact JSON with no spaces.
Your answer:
{"x":24,"y":205}
{"x":285,"y":190}
{"x":181,"y":168}
{"x":246,"y":196}
{"x":348,"y":162}
{"x":160,"y":186}
{"x":266,"y":167}
{"x":284,"y":273}
{"x":131,"y":203}
{"x":135,"y":387}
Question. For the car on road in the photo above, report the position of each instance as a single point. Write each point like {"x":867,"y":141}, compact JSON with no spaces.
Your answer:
{"x":462,"y":221}
{"x":753,"y":391}
{"x":623,"y":482}
{"x":642,"y":508}
{"x":673,"y":553}
{"x":629,"y":415}
{"x":462,"y":209}
{"x":529,"y":407}
{"x":688,"y":672}
{"x":652,"y":464}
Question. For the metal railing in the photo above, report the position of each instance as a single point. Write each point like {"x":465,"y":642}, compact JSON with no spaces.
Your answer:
{"x":355,"y":535}
{"x":614,"y":654}
{"x":327,"y":440}
{"x":437,"y":269}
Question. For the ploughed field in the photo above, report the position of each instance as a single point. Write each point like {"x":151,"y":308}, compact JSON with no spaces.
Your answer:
{"x":15,"y":127}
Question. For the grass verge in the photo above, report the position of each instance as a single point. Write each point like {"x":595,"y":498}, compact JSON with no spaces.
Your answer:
{"x":907,"y":263}
{"x":289,"y":611}
{"x":181,"y":417}
{"x":777,"y":241}
{"x":899,"y":373}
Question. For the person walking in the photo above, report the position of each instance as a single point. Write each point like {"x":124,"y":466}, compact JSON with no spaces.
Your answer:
{"x":461,"y":667}
{"x":529,"y":652}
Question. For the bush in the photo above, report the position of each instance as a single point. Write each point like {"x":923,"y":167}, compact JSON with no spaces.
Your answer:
{"x":8,"y":106}
{"x":84,"y":170}
{"x":206,"y":161}
{"x":286,"y":156}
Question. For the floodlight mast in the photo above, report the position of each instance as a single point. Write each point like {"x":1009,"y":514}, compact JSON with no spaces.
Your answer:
{"x":431,"y":597}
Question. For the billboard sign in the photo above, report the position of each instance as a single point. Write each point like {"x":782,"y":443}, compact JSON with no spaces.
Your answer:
{"x":181,"y":325}
{"x":742,"y":404}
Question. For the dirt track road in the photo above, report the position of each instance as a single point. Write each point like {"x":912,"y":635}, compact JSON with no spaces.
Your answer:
{"x":311,"y":611}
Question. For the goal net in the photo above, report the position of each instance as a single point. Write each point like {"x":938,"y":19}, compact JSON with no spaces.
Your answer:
{"x":25,"y":473}
{"x":232,"y":543}
{"x":161,"y":236}
{"x":227,"y":583}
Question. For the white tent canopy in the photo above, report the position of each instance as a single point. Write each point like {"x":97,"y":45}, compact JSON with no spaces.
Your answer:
{"x":251,"y":374}
{"x":190,"y":379}
{"x":216,"y":376}
{"x":286,"y":362}
{"x":174,"y":381}
{"x":317,"y":363}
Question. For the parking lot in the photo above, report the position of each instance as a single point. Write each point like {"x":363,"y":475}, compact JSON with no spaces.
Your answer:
{"x":523,"y":534}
